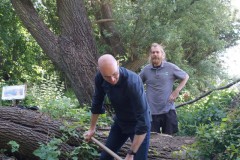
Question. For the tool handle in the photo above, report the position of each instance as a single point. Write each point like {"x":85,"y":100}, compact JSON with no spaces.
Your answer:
{"x":106,"y":149}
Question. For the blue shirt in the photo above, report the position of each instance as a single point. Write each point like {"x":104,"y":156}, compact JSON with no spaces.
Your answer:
{"x":128,"y":99}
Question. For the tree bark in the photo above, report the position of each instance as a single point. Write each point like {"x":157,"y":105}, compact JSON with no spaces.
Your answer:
{"x":74,"y":50}
{"x":28,"y":128}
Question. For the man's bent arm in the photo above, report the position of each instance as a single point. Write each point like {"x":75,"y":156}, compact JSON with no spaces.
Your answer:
{"x":94,"y":118}
{"x":182,"y":83}
{"x":175,"y":93}
{"x":137,"y":141}
{"x":93,"y":123}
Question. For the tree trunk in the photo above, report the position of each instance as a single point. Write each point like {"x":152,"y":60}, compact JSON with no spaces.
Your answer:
{"x":74,"y":50}
{"x":28,"y":128}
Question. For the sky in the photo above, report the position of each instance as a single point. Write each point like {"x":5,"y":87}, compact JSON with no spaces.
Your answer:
{"x":232,"y":55}
{"x":236,"y":3}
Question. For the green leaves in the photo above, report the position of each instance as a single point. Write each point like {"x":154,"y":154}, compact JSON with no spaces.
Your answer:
{"x":49,"y":151}
{"x":217,"y":127}
{"x":14,"y":146}
{"x":19,"y":51}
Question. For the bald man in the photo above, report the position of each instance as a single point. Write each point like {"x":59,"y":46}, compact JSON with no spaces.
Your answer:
{"x":125,"y":90}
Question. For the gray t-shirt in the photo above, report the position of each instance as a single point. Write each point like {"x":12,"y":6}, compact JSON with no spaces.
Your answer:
{"x":159,"y":85}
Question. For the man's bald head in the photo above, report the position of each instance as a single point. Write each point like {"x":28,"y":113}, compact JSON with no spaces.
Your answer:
{"x":108,"y":67}
{"x":105,"y":60}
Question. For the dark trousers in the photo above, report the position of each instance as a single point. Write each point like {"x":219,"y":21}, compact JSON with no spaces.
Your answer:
{"x":167,"y":122}
{"x":116,"y":139}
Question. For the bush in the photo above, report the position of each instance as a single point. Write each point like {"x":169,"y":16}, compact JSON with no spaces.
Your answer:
{"x":208,"y":110}
{"x":218,"y":141}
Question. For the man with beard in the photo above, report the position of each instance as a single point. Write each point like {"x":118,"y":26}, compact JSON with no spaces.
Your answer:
{"x":159,"y":77}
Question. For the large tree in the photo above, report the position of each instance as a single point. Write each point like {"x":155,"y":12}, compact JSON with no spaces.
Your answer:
{"x":73,"y":50}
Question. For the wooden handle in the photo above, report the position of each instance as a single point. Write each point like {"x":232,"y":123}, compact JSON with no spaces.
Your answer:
{"x":106,"y":149}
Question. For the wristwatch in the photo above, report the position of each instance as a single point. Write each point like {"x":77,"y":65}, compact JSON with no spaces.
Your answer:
{"x":130,"y":152}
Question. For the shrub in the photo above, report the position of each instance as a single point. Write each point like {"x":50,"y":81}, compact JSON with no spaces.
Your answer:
{"x":218,"y":141}
{"x":208,"y":110}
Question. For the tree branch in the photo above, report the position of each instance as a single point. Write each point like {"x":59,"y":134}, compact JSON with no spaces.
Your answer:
{"x":35,"y":25}
{"x":207,"y":93}
{"x":104,"y":20}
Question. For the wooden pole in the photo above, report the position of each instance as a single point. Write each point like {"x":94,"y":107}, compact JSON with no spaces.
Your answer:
{"x":117,"y":157}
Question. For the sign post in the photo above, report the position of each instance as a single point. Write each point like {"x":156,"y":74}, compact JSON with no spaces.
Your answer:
{"x":14,"y":93}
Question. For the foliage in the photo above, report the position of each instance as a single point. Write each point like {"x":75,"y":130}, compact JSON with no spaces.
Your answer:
{"x":86,"y":151}
{"x":52,"y":149}
{"x":3,"y":103}
{"x":50,"y":97}
{"x":217,"y":136}
{"x":3,"y":150}
{"x":218,"y":141}
{"x":14,"y":146}
{"x":209,"y":110}
{"x":49,"y":151}
{"x":43,"y":93}
{"x":48,"y":11}
{"x":19,"y":52}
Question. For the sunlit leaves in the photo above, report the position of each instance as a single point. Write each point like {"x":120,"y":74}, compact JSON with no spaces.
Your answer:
{"x":19,"y":51}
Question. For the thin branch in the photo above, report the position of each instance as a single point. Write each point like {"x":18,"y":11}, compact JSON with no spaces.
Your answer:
{"x":104,"y":20}
{"x":207,"y":93}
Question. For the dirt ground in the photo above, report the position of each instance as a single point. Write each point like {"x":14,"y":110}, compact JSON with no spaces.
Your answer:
{"x":163,"y":146}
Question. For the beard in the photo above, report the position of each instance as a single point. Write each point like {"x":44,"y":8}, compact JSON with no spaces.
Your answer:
{"x":156,"y":61}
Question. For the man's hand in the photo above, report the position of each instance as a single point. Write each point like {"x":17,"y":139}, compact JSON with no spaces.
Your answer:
{"x":173,"y":96}
{"x":175,"y":93}
{"x":87,"y":135}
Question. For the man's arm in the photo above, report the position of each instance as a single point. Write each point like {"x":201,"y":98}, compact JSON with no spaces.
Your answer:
{"x":175,"y":93}
{"x":92,"y":129}
{"x":137,"y":141}
{"x":96,"y":108}
{"x":139,"y":100}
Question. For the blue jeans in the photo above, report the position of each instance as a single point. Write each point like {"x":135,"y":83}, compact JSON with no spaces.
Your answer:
{"x":116,"y":140}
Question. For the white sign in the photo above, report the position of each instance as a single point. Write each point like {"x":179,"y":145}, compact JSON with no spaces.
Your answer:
{"x":13,"y":92}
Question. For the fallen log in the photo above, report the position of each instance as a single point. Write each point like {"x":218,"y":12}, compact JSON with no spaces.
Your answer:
{"x":28,"y":128}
